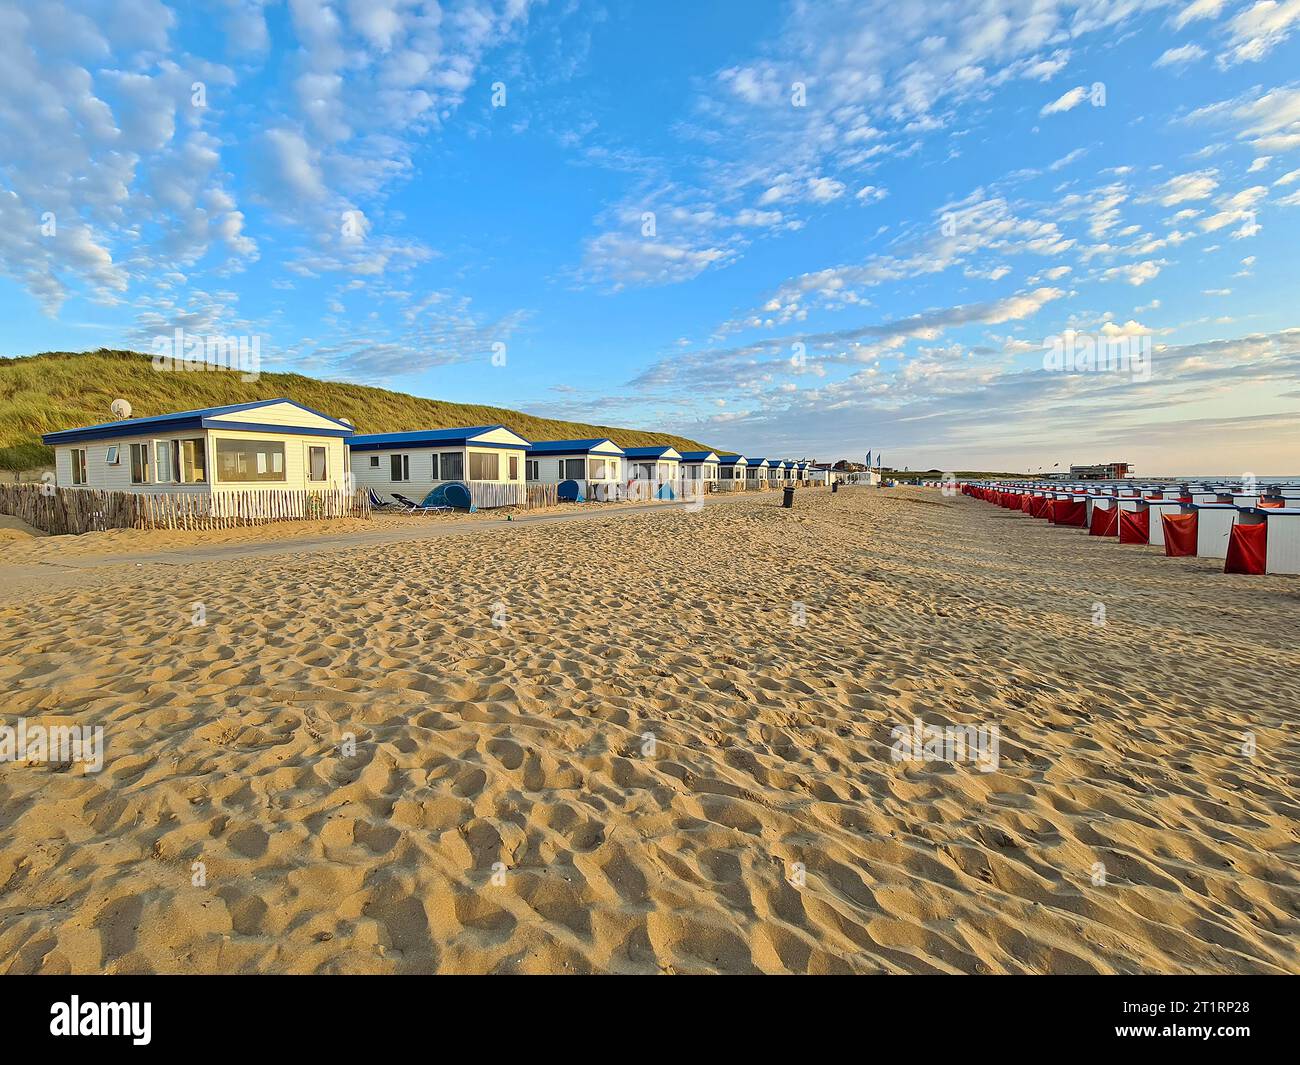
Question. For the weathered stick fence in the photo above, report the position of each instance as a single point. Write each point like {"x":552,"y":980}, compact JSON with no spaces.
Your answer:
{"x":81,"y":510}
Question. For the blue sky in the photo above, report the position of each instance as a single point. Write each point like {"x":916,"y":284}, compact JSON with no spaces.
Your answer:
{"x":803,"y":229}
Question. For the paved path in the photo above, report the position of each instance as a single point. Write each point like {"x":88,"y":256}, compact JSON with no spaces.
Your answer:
{"x":26,"y":578}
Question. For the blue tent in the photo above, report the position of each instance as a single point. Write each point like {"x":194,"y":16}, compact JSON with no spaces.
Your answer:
{"x":452,"y":494}
{"x":666,"y":492}
{"x":570,"y":492}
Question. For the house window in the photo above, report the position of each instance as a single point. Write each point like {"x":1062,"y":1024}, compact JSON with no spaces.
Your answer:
{"x":191,"y":459}
{"x":399,"y":467}
{"x":530,"y":469}
{"x":514,"y":467}
{"x":571,"y":469}
{"x":598,"y":469}
{"x":315,"y":463}
{"x":484,"y":466}
{"x":78,"y":465}
{"x":451,"y":466}
{"x":140,"y":464}
{"x":113,"y":456}
{"x":250,"y":460}
{"x":374,"y":462}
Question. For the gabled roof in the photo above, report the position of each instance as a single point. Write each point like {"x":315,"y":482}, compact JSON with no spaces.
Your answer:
{"x":656,"y":452}
{"x":574,"y":447}
{"x":758,"y":462}
{"x":458,"y":437}
{"x":699,"y":456}
{"x":734,"y":460}
{"x":198,"y":419}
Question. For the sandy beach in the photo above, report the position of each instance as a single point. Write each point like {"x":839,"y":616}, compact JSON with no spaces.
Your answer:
{"x":657,"y":743}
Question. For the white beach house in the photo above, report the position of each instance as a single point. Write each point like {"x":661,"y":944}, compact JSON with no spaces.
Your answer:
{"x":756,"y":473}
{"x":700,"y":466}
{"x":489,"y":459}
{"x":731,"y":468}
{"x":659,"y":464}
{"x":596,"y":464}
{"x":267,"y":445}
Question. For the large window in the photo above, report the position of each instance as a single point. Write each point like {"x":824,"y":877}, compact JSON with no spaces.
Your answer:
{"x":484,"y":466}
{"x":514,"y":467}
{"x":78,"y":465}
{"x":399,"y":467}
{"x":250,"y":460}
{"x":571,"y":469}
{"x":191,"y":459}
{"x":140,"y":464}
{"x":599,"y":469}
{"x":530,"y":469}
{"x":449,"y":466}
{"x":315,"y":463}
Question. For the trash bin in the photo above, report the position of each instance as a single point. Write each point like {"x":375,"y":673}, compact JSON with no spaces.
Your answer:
{"x":788,"y":500}
{"x":835,"y":486}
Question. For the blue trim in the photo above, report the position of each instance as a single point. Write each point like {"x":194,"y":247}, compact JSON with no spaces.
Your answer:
{"x":186,"y":419}
{"x":434,"y":438}
{"x":283,"y":430}
{"x":655,"y":452}
{"x":575,"y":447}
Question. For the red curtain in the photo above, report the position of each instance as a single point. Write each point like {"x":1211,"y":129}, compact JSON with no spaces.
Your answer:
{"x":1026,"y":504}
{"x":1134,"y":526}
{"x":1104,"y":522}
{"x":1069,"y":512}
{"x":1044,"y":508}
{"x":1180,"y":534}
{"x":1247,"y":549}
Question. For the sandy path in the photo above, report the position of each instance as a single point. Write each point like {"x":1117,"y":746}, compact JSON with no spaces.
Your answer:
{"x":767,"y":830}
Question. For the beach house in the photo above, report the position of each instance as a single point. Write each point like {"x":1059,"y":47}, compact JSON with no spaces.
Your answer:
{"x":658,"y":464}
{"x":756,"y":472}
{"x":596,"y":464}
{"x":731,"y":472}
{"x":700,"y":466}
{"x":272,"y":444}
{"x":488,"y":459}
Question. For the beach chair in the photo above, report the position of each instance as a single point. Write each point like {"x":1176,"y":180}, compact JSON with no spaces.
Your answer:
{"x":377,"y":503}
{"x":410,"y":506}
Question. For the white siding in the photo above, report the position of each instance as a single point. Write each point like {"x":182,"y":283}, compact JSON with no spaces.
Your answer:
{"x":118,"y":478}
{"x":424,"y":477}
{"x":278,"y":414}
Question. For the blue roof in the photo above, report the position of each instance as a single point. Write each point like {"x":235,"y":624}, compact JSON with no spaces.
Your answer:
{"x":699,"y":456}
{"x":457,"y":437}
{"x":757,"y":462}
{"x":195,"y":419}
{"x":571,"y":447}
{"x":731,"y":460}
{"x":647,"y":452}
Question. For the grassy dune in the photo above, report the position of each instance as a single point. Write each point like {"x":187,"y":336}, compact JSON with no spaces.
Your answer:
{"x":59,"y":390}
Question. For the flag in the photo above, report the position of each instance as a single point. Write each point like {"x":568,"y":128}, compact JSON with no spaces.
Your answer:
{"x":868,"y":460}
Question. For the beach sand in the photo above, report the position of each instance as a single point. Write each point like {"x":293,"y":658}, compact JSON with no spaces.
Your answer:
{"x":671,"y":754}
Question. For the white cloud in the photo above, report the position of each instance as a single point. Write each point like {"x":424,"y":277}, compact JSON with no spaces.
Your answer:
{"x":1180,"y":56}
{"x":1067,"y":101}
{"x":1257,"y":30}
{"x":1198,"y":9}
{"x":1135,"y":273}
{"x":1198,"y":185}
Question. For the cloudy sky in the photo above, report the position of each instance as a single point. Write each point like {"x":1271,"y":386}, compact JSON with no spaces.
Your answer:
{"x":802,"y":229}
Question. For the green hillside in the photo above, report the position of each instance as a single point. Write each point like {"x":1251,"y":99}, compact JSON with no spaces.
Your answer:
{"x":61,"y":390}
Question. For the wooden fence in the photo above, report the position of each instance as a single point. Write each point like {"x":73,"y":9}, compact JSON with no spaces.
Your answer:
{"x":82,"y":510}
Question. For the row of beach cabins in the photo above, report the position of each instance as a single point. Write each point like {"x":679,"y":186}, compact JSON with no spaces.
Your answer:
{"x":277,"y":459}
{"x":1254,"y":529}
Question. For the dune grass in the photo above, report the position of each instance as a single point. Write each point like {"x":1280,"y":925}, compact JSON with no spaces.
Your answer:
{"x":62,"y":390}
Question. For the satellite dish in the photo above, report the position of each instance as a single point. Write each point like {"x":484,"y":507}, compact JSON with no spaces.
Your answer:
{"x":121,"y":409}
{"x":346,"y":421}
